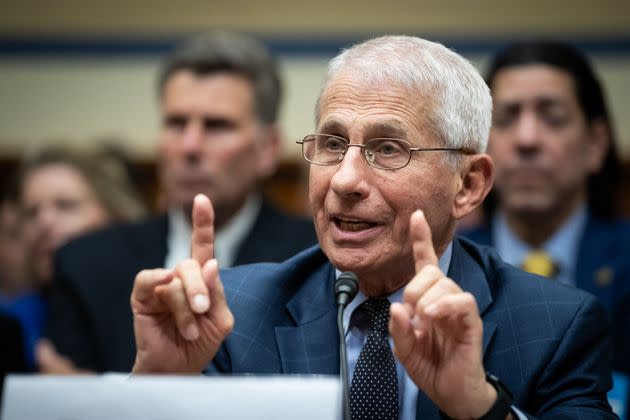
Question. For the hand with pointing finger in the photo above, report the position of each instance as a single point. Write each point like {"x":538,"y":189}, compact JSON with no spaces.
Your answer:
{"x":180,"y":315}
{"x":437,"y":334}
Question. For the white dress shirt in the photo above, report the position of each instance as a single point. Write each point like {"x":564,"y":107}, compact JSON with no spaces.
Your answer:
{"x":356,"y":337}
{"x":226,"y":240}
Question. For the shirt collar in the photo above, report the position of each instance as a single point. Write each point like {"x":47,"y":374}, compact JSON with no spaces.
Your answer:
{"x":444,"y":263}
{"x":562,"y":246}
{"x":226,"y":240}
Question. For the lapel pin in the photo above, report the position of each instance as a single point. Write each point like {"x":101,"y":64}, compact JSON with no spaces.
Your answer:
{"x":604,"y":276}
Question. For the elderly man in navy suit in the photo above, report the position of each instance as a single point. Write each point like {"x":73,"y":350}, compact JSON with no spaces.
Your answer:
{"x":441,"y":326}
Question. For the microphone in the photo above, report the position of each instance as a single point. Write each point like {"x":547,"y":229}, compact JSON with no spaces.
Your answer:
{"x":346,"y":288}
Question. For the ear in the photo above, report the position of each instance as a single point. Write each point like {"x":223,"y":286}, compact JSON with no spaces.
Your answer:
{"x":598,"y":144}
{"x":269,"y":149}
{"x":477,"y":176}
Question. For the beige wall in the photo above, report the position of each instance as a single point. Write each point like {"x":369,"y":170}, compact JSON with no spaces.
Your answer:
{"x":451,"y":17}
{"x":45,"y":98}
{"x":79,"y":100}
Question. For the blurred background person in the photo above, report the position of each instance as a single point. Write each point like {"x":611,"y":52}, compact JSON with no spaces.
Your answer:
{"x":13,"y":279}
{"x":65,"y":193}
{"x":12,"y":358}
{"x":62,"y":194}
{"x":219,"y":97}
{"x":554,"y":210}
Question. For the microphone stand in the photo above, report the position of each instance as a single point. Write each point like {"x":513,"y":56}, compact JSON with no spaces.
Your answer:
{"x":346,"y":288}
{"x":343,"y":356}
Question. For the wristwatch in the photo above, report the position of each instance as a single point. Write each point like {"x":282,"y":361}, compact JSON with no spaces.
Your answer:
{"x":503,"y":404}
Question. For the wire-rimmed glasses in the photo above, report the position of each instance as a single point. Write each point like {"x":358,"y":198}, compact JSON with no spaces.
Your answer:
{"x":381,"y":153}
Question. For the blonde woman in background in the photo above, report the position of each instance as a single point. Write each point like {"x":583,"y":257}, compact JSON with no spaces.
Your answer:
{"x":63,"y":193}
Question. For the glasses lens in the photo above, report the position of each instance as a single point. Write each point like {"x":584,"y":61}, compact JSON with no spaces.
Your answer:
{"x":387,"y":153}
{"x":323,"y":149}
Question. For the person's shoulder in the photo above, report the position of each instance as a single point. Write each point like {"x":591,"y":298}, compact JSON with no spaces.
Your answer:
{"x":618,"y":228}
{"x":276,"y":236}
{"x":272,"y":214}
{"x":113,"y":236}
{"x":115,"y":253}
{"x":480,"y":234}
{"x":274,"y":278}
{"x":300,"y":262}
{"x":604,"y":245}
{"x":516,"y":285}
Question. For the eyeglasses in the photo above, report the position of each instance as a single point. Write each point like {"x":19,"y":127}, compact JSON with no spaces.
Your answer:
{"x":381,"y":153}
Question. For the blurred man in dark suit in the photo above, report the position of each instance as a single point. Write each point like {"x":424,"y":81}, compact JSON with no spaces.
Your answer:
{"x":219,"y":101}
{"x":553,"y":145}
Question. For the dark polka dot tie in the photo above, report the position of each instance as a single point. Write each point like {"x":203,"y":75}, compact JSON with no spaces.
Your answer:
{"x":374,"y":389}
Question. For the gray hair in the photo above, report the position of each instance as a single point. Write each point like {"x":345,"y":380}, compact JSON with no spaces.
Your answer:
{"x":222,"y":51}
{"x":462,"y":110}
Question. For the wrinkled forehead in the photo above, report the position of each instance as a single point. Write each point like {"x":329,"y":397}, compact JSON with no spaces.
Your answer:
{"x":384,"y":108}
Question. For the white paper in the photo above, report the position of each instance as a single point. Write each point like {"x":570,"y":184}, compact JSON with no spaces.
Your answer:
{"x":39,"y":397}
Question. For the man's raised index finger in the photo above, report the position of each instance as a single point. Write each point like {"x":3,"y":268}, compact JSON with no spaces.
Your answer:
{"x":422,"y":242}
{"x":202,"y":242}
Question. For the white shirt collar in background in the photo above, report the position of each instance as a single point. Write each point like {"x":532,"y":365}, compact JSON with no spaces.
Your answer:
{"x":227,"y":240}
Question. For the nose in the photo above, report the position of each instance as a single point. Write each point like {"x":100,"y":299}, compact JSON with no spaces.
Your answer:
{"x":192,"y":138}
{"x":528,"y":134}
{"x":43,"y":223}
{"x":46,"y":217}
{"x":350,"y":177}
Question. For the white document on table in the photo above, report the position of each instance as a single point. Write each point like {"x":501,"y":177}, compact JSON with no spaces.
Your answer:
{"x":154,"y":397}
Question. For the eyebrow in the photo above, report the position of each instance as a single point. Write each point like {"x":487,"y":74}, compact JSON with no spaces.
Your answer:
{"x":330,"y":125}
{"x":391,"y":128}
{"x":539,"y":101}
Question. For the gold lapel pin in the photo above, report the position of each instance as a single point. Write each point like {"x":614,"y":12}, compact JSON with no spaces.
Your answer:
{"x":604,"y":276}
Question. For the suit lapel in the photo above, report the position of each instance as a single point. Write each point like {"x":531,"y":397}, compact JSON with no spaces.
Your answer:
{"x":249,"y":248}
{"x":595,"y":260}
{"x":470,"y":276}
{"x":311,"y":345}
{"x":149,"y":243}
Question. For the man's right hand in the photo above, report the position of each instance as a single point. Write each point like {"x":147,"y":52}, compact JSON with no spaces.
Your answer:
{"x":181,"y":316}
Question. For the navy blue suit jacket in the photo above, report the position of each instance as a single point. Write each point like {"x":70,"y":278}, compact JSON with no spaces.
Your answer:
{"x":603,"y":269}
{"x":90,"y":318}
{"x":547,"y":342}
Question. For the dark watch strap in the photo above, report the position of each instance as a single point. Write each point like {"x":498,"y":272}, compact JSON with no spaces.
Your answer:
{"x":503,"y":405}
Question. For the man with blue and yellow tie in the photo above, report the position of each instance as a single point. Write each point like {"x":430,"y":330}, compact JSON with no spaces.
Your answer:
{"x":552,"y":143}
{"x":440,"y":327}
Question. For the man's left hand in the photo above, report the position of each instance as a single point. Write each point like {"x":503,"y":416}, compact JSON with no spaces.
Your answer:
{"x":437,"y":334}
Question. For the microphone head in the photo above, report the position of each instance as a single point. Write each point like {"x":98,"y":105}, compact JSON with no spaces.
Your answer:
{"x":346,"y":287}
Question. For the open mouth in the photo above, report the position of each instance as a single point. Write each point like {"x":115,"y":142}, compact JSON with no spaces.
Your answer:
{"x":353,"y":225}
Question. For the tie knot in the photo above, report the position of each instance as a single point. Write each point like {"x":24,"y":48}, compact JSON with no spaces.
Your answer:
{"x":378,"y":314}
{"x":539,"y":262}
